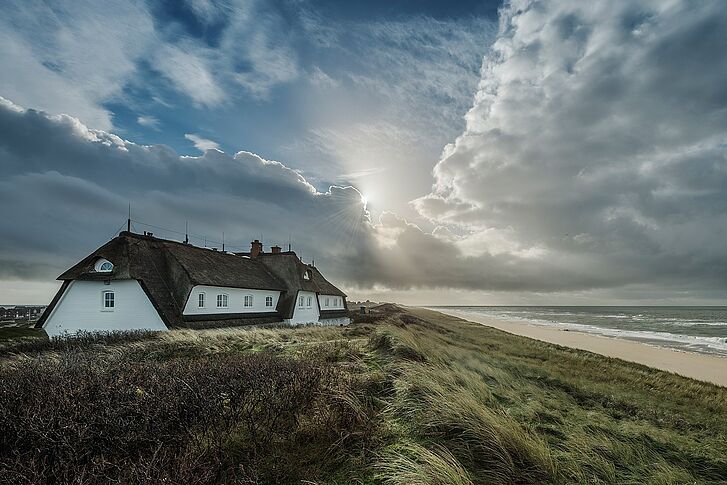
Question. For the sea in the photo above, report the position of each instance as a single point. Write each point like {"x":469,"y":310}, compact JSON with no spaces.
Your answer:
{"x":691,"y":329}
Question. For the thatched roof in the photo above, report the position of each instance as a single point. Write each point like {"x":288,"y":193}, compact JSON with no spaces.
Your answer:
{"x":289,"y":269}
{"x":168,"y":270}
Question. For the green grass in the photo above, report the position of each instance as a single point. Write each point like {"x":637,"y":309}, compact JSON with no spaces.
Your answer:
{"x":14,"y":333}
{"x":411,"y":398}
{"x":511,"y":409}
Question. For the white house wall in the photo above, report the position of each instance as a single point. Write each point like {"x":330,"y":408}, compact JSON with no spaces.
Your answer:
{"x":306,"y":313}
{"x":80,"y":309}
{"x":334,"y":302}
{"x":235,"y":300}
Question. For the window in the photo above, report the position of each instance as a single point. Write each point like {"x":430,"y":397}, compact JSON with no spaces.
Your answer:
{"x":248,"y":301}
{"x":301,"y":302}
{"x":268,"y":301}
{"x":310,"y":301}
{"x":104,"y":266}
{"x":306,"y":275}
{"x":200,"y":300}
{"x":327,"y":301}
{"x":221,"y":301}
{"x":107,"y":301}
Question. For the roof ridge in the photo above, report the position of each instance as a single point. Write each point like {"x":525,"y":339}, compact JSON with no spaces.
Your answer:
{"x":145,"y":237}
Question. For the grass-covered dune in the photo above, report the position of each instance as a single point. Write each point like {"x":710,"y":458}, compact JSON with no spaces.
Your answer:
{"x":411,"y":397}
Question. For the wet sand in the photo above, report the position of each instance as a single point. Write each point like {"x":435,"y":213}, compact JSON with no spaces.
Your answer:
{"x":709,"y":368}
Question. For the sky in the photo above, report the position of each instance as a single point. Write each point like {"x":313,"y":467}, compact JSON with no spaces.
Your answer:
{"x":428,"y":152}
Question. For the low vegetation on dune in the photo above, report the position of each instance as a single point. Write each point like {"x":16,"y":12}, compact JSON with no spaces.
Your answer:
{"x":404,"y":397}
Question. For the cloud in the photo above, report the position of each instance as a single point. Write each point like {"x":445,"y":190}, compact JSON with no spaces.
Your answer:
{"x":593,"y":159}
{"x":71,"y":58}
{"x":593,"y":148}
{"x":148,"y":121}
{"x":258,"y":42}
{"x":201,"y":144}
{"x":80,"y":57}
{"x":395,"y":101}
{"x":64,"y":189}
{"x":190,"y":72}
{"x":319,"y":78}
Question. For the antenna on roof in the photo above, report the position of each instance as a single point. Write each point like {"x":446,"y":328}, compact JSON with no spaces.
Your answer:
{"x":223,"y":241}
{"x":205,"y":241}
{"x":128,"y":220}
{"x":186,"y":232}
{"x":290,"y":246}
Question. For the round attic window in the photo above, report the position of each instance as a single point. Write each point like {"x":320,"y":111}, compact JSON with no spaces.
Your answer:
{"x":306,"y":275}
{"x":104,"y":266}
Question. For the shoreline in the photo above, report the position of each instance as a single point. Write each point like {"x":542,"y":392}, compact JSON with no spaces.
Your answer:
{"x":703,"y":367}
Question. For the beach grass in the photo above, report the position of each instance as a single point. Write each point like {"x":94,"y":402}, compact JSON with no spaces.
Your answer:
{"x":14,"y":333}
{"x":407,"y":397}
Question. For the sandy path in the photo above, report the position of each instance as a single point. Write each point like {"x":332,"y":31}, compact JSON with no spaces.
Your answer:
{"x":697,"y":366}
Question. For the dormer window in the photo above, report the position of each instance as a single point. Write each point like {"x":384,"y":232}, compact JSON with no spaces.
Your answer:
{"x":306,"y":275}
{"x":104,"y":266}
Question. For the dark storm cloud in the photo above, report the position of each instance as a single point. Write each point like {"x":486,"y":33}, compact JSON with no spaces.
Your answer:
{"x":594,"y":157}
{"x":598,"y":138}
{"x":64,"y":189}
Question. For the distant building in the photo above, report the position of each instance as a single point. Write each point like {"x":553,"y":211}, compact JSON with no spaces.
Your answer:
{"x":19,"y":313}
{"x":140,"y":282}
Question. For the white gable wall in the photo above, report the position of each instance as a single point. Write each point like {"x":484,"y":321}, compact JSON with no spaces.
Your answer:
{"x":235,"y":300}
{"x":306,"y":313}
{"x":80,"y":308}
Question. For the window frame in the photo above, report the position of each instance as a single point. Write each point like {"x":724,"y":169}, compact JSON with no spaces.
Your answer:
{"x":310,"y":302}
{"x":301,"y":301}
{"x":223,"y":300}
{"x":105,"y":308}
{"x":201,"y":300}
{"x":268,"y":302}
{"x":103,"y":262}
{"x":327,"y":302}
{"x":245,"y":300}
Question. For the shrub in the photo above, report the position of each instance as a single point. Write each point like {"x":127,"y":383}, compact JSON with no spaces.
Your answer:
{"x":84,"y":419}
{"x":81,"y":340}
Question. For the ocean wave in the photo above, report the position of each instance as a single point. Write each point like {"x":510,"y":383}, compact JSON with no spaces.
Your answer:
{"x":639,"y":318}
{"x":703,"y":344}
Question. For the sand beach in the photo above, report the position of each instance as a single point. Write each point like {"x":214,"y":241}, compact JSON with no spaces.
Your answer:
{"x":709,"y":368}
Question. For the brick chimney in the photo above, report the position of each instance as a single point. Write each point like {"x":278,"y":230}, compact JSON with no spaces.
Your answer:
{"x":256,"y":247}
{"x":276,"y":249}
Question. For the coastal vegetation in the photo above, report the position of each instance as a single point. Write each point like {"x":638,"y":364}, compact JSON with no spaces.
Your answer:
{"x":407,"y":396}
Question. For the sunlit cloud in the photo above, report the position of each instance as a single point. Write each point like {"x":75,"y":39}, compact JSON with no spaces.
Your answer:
{"x":201,"y":144}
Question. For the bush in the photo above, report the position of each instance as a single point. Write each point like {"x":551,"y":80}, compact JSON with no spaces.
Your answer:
{"x":84,"y":419}
{"x":81,"y":340}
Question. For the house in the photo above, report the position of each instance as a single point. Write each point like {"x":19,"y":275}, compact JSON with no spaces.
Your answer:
{"x":20,"y":313}
{"x":141,"y":282}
